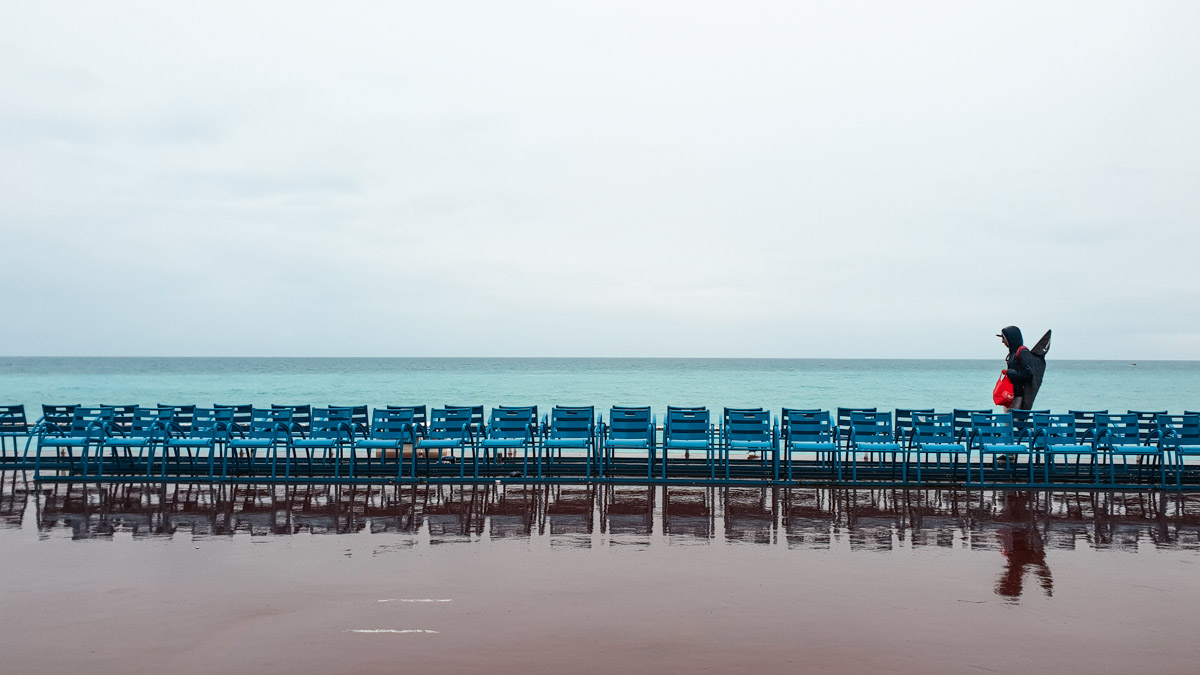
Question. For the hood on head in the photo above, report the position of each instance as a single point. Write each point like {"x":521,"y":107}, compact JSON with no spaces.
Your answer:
{"x":1013,"y":335}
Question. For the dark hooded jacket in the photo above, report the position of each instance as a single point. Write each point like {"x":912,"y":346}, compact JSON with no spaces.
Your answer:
{"x":1024,"y":368}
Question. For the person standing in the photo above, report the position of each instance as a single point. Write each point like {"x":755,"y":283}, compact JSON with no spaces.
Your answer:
{"x":1020,"y":369}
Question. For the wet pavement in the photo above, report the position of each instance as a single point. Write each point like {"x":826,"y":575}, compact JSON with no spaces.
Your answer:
{"x":314,"y":579}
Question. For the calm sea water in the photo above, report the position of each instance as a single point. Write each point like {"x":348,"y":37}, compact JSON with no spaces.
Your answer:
{"x":771,"y":383}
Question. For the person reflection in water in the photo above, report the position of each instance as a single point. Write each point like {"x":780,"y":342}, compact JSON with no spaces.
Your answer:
{"x":1022,"y":547}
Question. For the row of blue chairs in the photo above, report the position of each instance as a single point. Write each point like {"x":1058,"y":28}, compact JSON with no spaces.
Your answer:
{"x":410,"y":441}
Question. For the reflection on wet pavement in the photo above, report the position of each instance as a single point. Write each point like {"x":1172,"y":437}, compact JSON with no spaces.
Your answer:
{"x":1020,"y":525}
{"x":679,"y":579}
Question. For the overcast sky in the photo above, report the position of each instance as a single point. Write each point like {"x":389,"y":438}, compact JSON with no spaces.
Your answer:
{"x":758,"y":179}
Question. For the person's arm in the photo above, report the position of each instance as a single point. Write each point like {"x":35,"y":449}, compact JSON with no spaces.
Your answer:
{"x":1019,"y":371}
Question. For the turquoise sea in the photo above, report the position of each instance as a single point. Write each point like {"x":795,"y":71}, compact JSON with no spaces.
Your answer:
{"x":770,"y":383}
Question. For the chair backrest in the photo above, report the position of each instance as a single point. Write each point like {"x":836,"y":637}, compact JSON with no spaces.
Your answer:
{"x":808,"y":426}
{"x":452,"y":422}
{"x":630,"y":422}
{"x":1057,"y":429}
{"x":331,"y":422}
{"x":90,"y":421}
{"x":686,"y":424}
{"x":1148,"y":423}
{"x":589,"y":410}
{"x":1180,"y":429}
{"x":420,"y":415}
{"x":903,"y":419}
{"x":181,"y":416}
{"x":360,"y":417}
{"x":476,"y":411}
{"x":511,"y":423}
{"x":533,"y":415}
{"x":844,"y":421}
{"x":269,"y":422}
{"x":785,"y":414}
{"x":871,"y":427}
{"x":1118,"y":429}
{"x":1085,"y":423}
{"x":962,"y":420}
{"x":631,"y":408}
{"x":394,"y":422}
{"x":533,"y":409}
{"x":726,"y":412}
{"x":13,"y":421}
{"x":931,"y":427}
{"x":1022,"y":421}
{"x":58,"y":415}
{"x":210,"y":423}
{"x":146,"y":422}
{"x":301,"y":416}
{"x":241,"y":414}
{"x":572,"y":422}
{"x":747,"y":425}
{"x":122,"y":415}
{"x":992,"y":428}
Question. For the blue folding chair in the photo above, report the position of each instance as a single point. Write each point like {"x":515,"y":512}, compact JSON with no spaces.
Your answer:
{"x":13,"y":425}
{"x":629,"y":428}
{"x":809,"y":432}
{"x":1180,"y":436}
{"x":55,"y":417}
{"x":1148,"y":424}
{"x":148,"y":428}
{"x":932,"y":434}
{"x":209,"y":430}
{"x":870,"y":433}
{"x":270,"y":431}
{"x":1055,"y":435}
{"x":88,"y":427}
{"x":452,"y":428}
{"x":571,"y":428}
{"x":844,"y":423}
{"x":688,"y":429}
{"x":1119,"y":436}
{"x":391,"y":428}
{"x":749,"y":431}
{"x":992,"y":436}
{"x":331,"y":431}
{"x":509,"y":429}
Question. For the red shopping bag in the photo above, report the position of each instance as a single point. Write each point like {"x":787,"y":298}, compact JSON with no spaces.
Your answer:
{"x":1003,"y":393}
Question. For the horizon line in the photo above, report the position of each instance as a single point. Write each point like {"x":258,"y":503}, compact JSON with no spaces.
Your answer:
{"x":647,"y":358}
